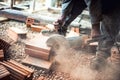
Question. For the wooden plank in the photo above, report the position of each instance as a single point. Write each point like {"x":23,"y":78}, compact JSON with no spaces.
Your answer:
{"x":19,"y":15}
{"x":39,"y":63}
{"x":14,"y":14}
{"x":22,"y":16}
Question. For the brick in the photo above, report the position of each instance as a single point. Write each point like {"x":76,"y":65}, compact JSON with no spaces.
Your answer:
{"x":13,"y":35}
{"x":37,"y":47}
{"x":36,"y":53}
{"x":29,"y":22}
{"x":77,"y":30}
{"x":4,"y":73}
{"x":39,"y":63}
{"x":14,"y":71}
{"x":29,"y":70}
{"x":18,"y":71}
{"x":16,"y":32}
{"x":41,"y":78}
{"x":4,"y":46}
{"x":1,"y":55}
{"x":37,"y":28}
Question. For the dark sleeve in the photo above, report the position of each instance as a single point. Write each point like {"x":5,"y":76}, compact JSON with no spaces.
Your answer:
{"x":95,"y":10}
{"x":78,"y":7}
{"x":67,"y":6}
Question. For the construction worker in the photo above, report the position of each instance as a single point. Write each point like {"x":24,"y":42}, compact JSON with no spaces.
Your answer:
{"x":105,"y":21}
{"x":72,"y":8}
{"x":110,"y":31}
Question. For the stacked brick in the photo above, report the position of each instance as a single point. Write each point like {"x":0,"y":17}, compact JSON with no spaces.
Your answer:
{"x":39,"y":54}
{"x":4,"y":73}
{"x":1,"y":55}
{"x":12,"y":70}
{"x":18,"y":71}
{"x":4,"y":46}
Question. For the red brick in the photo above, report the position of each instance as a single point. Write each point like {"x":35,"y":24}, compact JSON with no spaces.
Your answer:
{"x":1,"y":55}
{"x":37,"y":47}
{"x":39,"y":63}
{"x":77,"y":30}
{"x":4,"y":73}
{"x":37,"y":53}
{"x":29,"y":22}
{"x":12,"y":34}
{"x":41,"y":78}
{"x":4,"y":46}
{"x":18,"y":71}
{"x":37,"y":28}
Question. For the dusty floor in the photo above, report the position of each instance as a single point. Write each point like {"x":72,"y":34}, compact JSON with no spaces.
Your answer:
{"x":68,"y":63}
{"x":71,"y":64}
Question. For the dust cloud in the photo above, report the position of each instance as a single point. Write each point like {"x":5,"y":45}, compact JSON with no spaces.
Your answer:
{"x":76,"y":62}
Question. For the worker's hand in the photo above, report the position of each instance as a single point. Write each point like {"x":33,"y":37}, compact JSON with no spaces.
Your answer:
{"x":57,"y":24}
